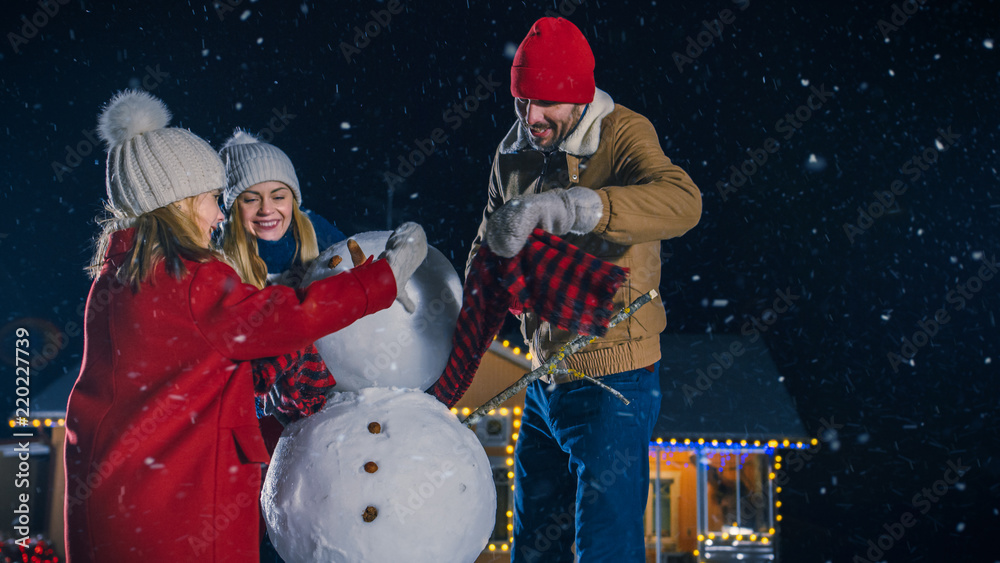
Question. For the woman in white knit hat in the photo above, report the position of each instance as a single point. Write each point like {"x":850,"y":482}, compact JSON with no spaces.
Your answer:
{"x":163,"y":449}
{"x":267,"y":232}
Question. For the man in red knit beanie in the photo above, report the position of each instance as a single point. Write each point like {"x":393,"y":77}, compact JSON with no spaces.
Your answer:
{"x":580,"y":166}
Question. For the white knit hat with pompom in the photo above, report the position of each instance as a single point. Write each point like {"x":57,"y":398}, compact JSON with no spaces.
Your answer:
{"x":250,"y":161}
{"x":149,"y":164}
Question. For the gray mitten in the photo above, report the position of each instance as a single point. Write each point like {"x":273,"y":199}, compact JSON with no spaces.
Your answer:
{"x":576,"y":210}
{"x":405,"y":251}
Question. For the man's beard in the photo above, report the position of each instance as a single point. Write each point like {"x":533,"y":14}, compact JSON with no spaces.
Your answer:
{"x":557,"y":141}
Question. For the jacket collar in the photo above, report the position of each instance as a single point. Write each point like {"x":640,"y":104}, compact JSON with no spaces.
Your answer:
{"x":584,"y":139}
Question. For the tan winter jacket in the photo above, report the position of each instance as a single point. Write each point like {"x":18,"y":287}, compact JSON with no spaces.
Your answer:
{"x":614,"y":151}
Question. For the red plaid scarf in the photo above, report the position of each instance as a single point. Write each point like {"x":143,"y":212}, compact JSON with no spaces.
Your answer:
{"x":295,"y":384}
{"x":559,"y":282}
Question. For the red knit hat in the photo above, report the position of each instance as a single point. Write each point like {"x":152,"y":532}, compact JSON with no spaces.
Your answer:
{"x":554,"y":63}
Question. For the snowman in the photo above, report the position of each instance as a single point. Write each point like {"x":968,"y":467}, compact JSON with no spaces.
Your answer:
{"x":384,"y":472}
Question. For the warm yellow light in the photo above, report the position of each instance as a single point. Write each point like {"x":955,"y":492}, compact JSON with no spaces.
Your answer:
{"x":512,"y":487}
{"x":814,"y":441}
{"x":527,"y":356}
{"x":517,"y":423}
{"x":729,"y":442}
{"x":715,"y":442}
{"x":725,"y":535}
{"x":48,"y":422}
{"x":687,"y":441}
{"x":11,"y":423}
{"x":777,"y":489}
{"x":711,"y":535}
{"x":673,"y":441}
{"x":492,"y":412}
{"x":785,"y":443}
{"x":798,"y":444}
{"x":777,"y":458}
{"x":466,"y":411}
{"x":517,"y":411}
{"x":701,"y":537}
{"x":503,"y":547}
{"x":517,"y":351}
{"x":510,"y":513}
{"x":510,"y":475}
{"x":493,"y":547}
{"x":770,"y":475}
{"x":510,"y":461}
{"x":514,"y":436}
{"x":756,"y":443}
{"x":504,"y":411}
{"x":753,"y":537}
{"x":777,"y":504}
{"x":659,"y":440}
{"x":36,"y":423}
{"x":701,"y":440}
{"x":510,"y":527}
{"x":454,"y":410}
{"x":743,"y":442}
{"x":777,"y":466}
{"x":510,"y":449}
{"x":773,"y":443}
{"x":771,"y":531}
{"x":778,"y":518}
{"x":696,"y":552}
{"x":764,"y":540}
{"x":506,"y":343}
{"x":739,"y":537}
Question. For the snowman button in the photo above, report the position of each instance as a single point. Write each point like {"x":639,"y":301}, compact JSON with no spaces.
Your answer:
{"x":369,"y":514}
{"x":374,"y":427}
{"x":371,"y":467}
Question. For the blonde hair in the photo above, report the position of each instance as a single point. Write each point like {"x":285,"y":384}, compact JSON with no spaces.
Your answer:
{"x":240,"y":245}
{"x":169,"y":234}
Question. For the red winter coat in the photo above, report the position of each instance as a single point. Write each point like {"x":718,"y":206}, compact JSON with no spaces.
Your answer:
{"x":163,"y":447}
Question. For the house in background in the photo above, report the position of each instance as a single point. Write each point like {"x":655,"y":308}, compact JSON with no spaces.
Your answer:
{"x":716,"y":451}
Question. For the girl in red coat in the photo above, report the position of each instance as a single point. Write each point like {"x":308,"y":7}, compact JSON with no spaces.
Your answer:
{"x":163,"y":449}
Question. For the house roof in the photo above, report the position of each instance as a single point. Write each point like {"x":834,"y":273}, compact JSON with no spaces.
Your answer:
{"x":723,"y":387}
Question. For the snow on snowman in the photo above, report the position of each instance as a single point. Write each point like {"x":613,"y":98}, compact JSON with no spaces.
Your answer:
{"x":385,"y":471}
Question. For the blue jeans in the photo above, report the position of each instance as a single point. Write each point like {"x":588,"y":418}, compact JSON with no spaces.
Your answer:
{"x":582,"y":470}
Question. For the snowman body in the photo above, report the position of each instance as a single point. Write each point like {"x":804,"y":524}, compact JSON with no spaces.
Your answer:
{"x":384,"y":472}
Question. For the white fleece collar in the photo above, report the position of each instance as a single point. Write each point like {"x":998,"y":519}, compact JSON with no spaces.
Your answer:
{"x":584,"y":139}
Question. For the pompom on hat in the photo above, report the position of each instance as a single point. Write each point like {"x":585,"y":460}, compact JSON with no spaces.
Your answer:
{"x":251,"y":161}
{"x":149,"y":164}
{"x":553,"y":63}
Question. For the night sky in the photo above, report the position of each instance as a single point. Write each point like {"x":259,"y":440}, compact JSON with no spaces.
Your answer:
{"x":846,"y":102}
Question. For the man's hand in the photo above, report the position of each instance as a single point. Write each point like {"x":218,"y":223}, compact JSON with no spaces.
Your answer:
{"x":559,"y":211}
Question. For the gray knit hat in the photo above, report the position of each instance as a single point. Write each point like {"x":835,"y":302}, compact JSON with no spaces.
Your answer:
{"x":250,"y":161}
{"x":150,"y":165}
